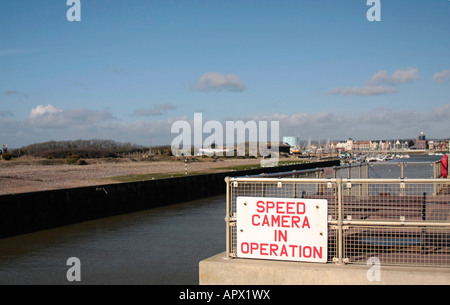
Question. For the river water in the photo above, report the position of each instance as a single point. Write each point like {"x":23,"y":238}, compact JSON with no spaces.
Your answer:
{"x":413,"y":167}
{"x":157,"y":246}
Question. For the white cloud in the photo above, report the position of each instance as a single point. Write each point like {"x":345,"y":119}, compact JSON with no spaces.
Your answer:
{"x":50,"y":122}
{"x":379,"y":83}
{"x":43,"y":111}
{"x":362,"y":91}
{"x":440,"y":114}
{"x":159,"y":109}
{"x":213,"y":81}
{"x":4,"y":114}
{"x":399,"y":77}
{"x":54,"y":117}
{"x":441,"y":77}
{"x":381,"y":123}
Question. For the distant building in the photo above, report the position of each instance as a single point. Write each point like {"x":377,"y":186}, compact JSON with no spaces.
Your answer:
{"x":362,"y":145}
{"x":384,"y":145}
{"x":215,"y":151}
{"x":292,"y":141}
{"x":421,"y":142}
{"x":344,"y":146}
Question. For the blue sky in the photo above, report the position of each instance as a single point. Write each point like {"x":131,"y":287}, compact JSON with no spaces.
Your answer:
{"x":129,"y":69}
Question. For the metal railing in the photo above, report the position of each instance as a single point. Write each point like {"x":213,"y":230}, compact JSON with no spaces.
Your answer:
{"x":399,"y":221}
{"x":369,"y":170}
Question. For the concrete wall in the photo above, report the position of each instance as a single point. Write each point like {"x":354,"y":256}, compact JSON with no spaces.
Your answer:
{"x":219,"y":270}
{"x":29,"y":212}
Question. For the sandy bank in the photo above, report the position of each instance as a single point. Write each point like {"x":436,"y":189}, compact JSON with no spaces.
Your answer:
{"x":31,"y":174}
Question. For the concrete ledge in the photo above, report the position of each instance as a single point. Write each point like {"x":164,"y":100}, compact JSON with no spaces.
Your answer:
{"x":219,"y":270}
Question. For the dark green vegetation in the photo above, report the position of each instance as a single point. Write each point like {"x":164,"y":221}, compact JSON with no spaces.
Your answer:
{"x":82,"y":148}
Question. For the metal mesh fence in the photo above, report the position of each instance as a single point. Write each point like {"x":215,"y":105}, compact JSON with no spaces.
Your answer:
{"x":398,"y":245}
{"x":403,"y":170}
{"x":399,"y":221}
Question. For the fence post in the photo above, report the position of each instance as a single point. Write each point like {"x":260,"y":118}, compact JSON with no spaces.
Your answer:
{"x":434,"y":176}
{"x":227,"y":218}
{"x":340,"y":222}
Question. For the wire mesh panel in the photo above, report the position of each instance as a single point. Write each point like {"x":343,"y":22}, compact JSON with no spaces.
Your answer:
{"x":399,"y":221}
{"x":385,"y":200}
{"x":275,"y":188}
{"x":372,"y":202}
{"x":359,"y":170}
{"x":402,"y":170}
{"x":411,"y":200}
{"x":394,"y":245}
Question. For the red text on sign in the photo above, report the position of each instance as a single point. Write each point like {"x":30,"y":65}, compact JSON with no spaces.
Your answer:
{"x":285,"y":221}
{"x":281,"y":207}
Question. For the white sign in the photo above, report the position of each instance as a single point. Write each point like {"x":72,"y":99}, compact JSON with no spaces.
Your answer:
{"x":292,"y":229}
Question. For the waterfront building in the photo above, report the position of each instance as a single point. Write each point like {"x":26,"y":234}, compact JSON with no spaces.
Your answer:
{"x":344,"y":146}
{"x":292,"y":141}
{"x":421,"y":142}
{"x":362,"y":145}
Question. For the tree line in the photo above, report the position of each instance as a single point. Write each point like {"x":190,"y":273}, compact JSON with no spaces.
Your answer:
{"x":95,"y":148}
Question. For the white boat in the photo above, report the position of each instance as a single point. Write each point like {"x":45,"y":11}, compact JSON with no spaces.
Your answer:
{"x":381,"y":158}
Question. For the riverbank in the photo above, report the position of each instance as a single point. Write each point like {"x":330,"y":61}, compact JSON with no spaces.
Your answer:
{"x":39,"y":210}
{"x":28,"y":174}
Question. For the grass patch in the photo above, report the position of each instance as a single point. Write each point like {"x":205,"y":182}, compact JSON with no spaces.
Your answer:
{"x":144,"y":177}
{"x":241,"y":167}
{"x":258,"y":165}
{"x":283,"y":163}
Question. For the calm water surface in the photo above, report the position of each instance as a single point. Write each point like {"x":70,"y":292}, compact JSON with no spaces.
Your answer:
{"x":415,"y":167}
{"x":157,"y":246}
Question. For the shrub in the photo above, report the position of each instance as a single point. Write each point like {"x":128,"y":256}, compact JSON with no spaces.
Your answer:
{"x":7,"y":156}
{"x":72,"y":159}
{"x":82,"y":162}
